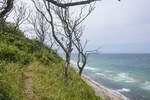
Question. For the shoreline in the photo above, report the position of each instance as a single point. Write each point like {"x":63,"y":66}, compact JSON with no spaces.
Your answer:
{"x":102,"y":91}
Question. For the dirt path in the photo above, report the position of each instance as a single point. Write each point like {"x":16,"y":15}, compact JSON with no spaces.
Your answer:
{"x":28,"y":84}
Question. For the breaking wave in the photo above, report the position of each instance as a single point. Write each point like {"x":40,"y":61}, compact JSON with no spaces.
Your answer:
{"x":123,"y":90}
{"x":124,"y":77}
{"x":146,"y":85}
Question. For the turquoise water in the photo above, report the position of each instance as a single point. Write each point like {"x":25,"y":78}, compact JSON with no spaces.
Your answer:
{"x":128,"y":74}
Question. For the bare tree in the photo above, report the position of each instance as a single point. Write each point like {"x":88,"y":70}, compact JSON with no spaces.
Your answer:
{"x":74,"y":31}
{"x":5,"y":8}
{"x":64,"y":32}
{"x":74,"y":24}
{"x":66,"y":35}
{"x":40,"y":27}
{"x":67,"y":46}
{"x":21,"y":14}
{"x":82,"y":54}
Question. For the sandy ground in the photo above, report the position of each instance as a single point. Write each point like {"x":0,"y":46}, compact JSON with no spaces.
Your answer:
{"x":103,"y":92}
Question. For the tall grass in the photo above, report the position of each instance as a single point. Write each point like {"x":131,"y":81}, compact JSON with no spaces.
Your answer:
{"x":21,"y":58}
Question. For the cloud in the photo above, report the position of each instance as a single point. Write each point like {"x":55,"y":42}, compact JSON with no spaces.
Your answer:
{"x":124,"y":22}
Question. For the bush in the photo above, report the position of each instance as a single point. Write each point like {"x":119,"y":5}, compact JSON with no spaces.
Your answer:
{"x":15,"y":47}
{"x":9,"y":28}
{"x":2,"y":67}
{"x":47,"y":57}
{"x":10,"y":53}
{"x":44,"y":57}
{"x":4,"y":95}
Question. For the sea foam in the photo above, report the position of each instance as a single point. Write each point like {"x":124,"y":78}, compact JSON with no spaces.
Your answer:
{"x":124,"y":77}
{"x":146,"y":85}
{"x":101,"y":74}
{"x":123,"y":90}
{"x":108,"y":71}
{"x":90,"y":68}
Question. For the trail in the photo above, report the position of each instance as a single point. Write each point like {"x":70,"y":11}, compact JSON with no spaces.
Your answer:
{"x":28,"y":86}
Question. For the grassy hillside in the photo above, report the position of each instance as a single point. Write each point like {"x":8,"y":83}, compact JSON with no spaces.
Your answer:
{"x":30,"y":73}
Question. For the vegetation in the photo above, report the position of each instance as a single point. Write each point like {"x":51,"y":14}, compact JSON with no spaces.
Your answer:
{"x":28,"y":72}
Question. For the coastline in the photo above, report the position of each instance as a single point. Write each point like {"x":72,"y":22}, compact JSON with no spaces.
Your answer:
{"x":103,"y":92}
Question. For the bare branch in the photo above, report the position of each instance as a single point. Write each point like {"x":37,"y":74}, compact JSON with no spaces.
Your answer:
{"x":40,"y":27}
{"x":21,"y":14}
{"x":65,"y":5}
{"x":6,"y":7}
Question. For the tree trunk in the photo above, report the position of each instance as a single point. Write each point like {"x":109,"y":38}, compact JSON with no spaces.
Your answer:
{"x":67,"y":67}
{"x":80,"y":71}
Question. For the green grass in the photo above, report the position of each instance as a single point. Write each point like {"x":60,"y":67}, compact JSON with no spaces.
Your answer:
{"x":21,"y":59}
{"x":48,"y":83}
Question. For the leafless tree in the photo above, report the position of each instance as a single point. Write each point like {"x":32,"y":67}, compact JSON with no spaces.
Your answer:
{"x":72,"y":25}
{"x":82,"y":54}
{"x":78,"y":32}
{"x":76,"y":29}
{"x":66,"y":35}
{"x":82,"y":57}
{"x":67,"y":46}
{"x":21,"y":14}
{"x":65,"y":29}
{"x":40,"y":27}
{"x":6,"y":7}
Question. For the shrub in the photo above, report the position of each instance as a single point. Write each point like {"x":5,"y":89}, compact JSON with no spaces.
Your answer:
{"x":9,"y":28}
{"x":4,"y":95}
{"x":47,"y":57}
{"x":44,"y":57}
{"x":10,"y":53}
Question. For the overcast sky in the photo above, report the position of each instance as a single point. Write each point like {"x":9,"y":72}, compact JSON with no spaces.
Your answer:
{"x":119,"y":27}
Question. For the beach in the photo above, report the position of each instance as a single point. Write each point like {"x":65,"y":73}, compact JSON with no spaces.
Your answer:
{"x":103,"y":92}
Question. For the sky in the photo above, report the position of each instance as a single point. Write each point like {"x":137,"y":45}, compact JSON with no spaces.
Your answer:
{"x":119,"y":27}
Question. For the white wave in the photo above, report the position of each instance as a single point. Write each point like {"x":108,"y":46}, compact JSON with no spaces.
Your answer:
{"x":123,"y":90}
{"x":90,"y":68}
{"x":101,"y":74}
{"x":108,"y":71}
{"x":124,"y":77}
{"x":146,"y":85}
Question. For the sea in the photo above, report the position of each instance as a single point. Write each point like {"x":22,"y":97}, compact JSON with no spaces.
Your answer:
{"x":127,"y":74}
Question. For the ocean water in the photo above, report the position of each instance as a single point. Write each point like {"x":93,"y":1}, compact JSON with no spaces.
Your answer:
{"x":127,"y":74}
